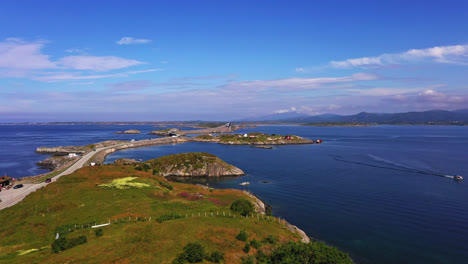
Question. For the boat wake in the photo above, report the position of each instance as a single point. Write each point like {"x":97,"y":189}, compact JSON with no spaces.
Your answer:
{"x":396,"y":166}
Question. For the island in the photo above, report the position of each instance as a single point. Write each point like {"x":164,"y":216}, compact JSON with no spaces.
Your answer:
{"x":193,"y":164}
{"x":131,"y":131}
{"x":255,"y":138}
{"x":225,"y":128}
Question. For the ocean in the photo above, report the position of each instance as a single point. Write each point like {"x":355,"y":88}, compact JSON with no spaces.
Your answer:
{"x":377,"y":193}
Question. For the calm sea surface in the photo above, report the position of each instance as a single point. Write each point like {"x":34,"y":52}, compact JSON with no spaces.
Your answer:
{"x":358,"y":190}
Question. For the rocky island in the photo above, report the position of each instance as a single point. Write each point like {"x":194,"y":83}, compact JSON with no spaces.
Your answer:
{"x":255,"y":138}
{"x":131,"y":131}
{"x":193,"y":164}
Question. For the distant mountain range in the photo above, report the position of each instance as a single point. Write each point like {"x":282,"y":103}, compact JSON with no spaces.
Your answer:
{"x":364,"y":117}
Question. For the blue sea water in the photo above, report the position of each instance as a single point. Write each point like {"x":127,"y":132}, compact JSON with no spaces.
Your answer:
{"x":357,"y":191}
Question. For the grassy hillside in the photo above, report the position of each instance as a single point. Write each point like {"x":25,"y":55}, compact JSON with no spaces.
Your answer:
{"x":128,"y":198}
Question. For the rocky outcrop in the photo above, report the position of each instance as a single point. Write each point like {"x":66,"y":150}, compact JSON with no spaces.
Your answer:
{"x":193,"y":164}
{"x":125,"y":161}
{"x":54,"y":162}
{"x":131,"y":131}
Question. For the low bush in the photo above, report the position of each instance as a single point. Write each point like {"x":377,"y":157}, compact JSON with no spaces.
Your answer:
{"x":63,"y":243}
{"x":194,"y":252}
{"x":242,"y":236}
{"x":99,"y":232}
{"x":270,"y":239}
{"x":167,"y":217}
{"x":246,"y":248}
{"x":215,"y":257}
{"x":255,"y":243}
{"x":166,"y":185}
{"x":248,"y":260}
{"x":313,"y":252}
{"x":243,"y":207}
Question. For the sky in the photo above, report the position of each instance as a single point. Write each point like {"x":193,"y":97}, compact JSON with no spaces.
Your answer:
{"x":229,"y":60}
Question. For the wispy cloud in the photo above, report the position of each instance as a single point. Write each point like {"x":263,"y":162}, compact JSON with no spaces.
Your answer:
{"x":130,"y":85}
{"x":96,"y":63}
{"x":294,"y":84}
{"x":210,"y":77}
{"x":67,"y":76}
{"x":130,"y":40}
{"x":75,"y":50}
{"x":457,"y":54}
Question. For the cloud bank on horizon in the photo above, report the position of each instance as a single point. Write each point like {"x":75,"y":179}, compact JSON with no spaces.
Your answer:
{"x":218,"y":72}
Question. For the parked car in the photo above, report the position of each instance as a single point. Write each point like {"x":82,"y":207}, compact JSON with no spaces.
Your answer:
{"x":18,"y":186}
{"x":48,"y":180}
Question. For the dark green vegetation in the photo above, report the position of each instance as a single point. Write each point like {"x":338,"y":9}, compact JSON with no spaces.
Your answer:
{"x":99,"y":232}
{"x":242,"y":236}
{"x":313,"y":253}
{"x":243,"y":207}
{"x":63,"y":243}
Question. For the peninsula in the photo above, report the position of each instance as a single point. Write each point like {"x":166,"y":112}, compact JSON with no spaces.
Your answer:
{"x":133,"y":216}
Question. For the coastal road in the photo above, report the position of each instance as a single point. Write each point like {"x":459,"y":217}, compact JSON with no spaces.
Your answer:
{"x":13,"y":196}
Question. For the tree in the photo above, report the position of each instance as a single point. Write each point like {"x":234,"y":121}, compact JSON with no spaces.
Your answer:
{"x":194,"y":252}
{"x":243,"y":207}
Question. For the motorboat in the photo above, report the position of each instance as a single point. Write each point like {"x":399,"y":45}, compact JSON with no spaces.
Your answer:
{"x":458,"y":178}
{"x":244,"y":183}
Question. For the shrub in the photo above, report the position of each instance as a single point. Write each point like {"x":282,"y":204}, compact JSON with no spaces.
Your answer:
{"x":246,"y":248}
{"x":138,"y":168}
{"x":59,"y":244}
{"x":166,"y":185}
{"x":313,"y":252}
{"x":194,"y":252}
{"x":243,"y":207}
{"x":242,"y":236}
{"x":63,"y":243}
{"x":262,"y":258}
{"x":255,"y":243}
{"x":216,"y":257}
{"x":167,"y":217}
{"x":180,"y":259}
{"x":248,"y":260}
{"x":270,"y":239}
{"x":99,"y":232}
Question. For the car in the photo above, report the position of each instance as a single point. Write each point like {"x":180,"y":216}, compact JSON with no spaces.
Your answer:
{"x":18,"y":186}
{"x":48,"y":180}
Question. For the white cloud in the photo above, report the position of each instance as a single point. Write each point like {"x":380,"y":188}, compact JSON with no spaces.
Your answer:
{"x":291,"y":84}
{"x":19,"y":55}
{"x":66,"y":76}
{"x":292,"y":109}
{"x":95,"y":63}
{"x":130,"y":40}
{"x":300,"y":70}
{"x":164,"y":62}
{"x":457,"y":54}
{"x":385,"y":91}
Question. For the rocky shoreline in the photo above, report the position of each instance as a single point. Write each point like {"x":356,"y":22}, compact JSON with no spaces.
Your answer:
{"x":261,"y":207}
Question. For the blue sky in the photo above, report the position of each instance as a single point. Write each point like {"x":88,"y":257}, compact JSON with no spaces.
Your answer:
{"x":224,"y":60}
